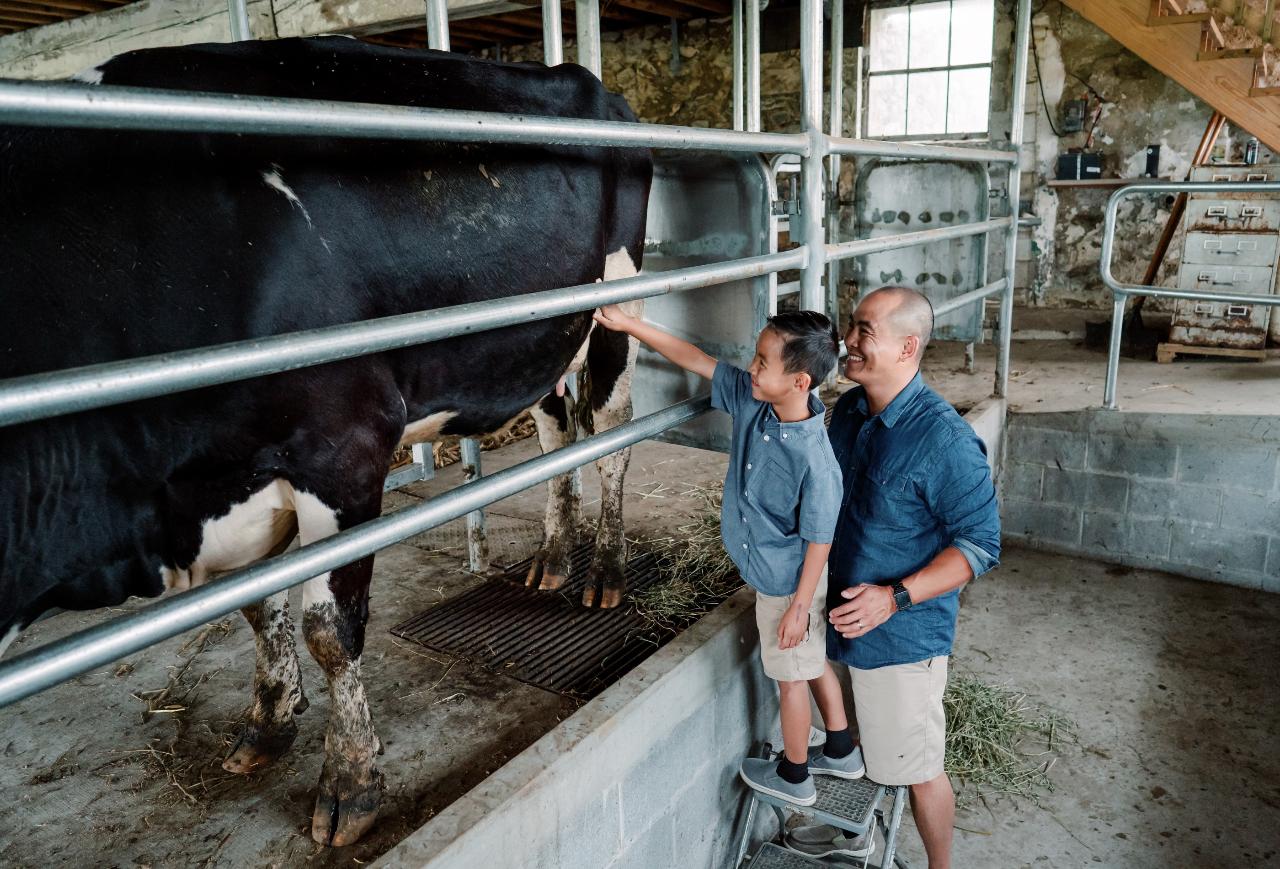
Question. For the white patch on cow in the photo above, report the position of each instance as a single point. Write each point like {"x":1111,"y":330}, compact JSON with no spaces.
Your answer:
{"x":9,"y":637}
{"x":89,"y":76}
{"x":620,"y":265}
{"x":247,"y":532}
{"x":426,"y":429}
{"x":316,"y":521}
{"x":276,"y":182}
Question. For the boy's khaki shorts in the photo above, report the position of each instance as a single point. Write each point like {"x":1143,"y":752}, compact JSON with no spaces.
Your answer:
{"x":802,"y":662}
{"x":901,"y":722}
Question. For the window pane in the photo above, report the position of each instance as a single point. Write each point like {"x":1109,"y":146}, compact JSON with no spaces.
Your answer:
{"x":972,"y":24}
{"x":930,"y":34}
{"x":887,"y":105}
{"x":888,"y":38}
{"x":969,"y":101}
{"x":926,"y":103}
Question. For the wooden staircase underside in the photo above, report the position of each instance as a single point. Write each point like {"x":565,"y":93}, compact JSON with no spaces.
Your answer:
{"x":1223,"y":83}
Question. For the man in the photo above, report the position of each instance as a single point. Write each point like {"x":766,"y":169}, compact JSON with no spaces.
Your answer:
{"x":918,"y":521}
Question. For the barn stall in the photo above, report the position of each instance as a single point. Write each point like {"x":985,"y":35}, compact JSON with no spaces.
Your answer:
{"x":546,"y":782}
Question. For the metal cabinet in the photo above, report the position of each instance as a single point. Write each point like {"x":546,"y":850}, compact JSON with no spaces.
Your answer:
{"x":1231,"y":245}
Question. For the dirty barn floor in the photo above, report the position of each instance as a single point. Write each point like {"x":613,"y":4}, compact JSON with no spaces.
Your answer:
{"x":1173,"y":684}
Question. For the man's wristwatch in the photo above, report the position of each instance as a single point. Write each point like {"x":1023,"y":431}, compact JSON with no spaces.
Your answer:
{"x":901,"y":596}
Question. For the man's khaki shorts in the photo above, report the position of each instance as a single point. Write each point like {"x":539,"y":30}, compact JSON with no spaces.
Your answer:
{"x":802,"y":662}
{"x":901,"y":722}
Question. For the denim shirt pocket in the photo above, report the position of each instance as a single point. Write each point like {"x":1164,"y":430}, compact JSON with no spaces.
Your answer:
{"x":890,"y":505}
{"x":775,"y":492}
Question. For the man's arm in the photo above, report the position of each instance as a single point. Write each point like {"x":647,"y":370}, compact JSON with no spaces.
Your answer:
{"x":870,"y":606}
{"x":796,"y":619}
{"x":677,"y":350}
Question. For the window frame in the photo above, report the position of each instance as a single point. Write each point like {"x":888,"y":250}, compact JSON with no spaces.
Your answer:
{"x":867,"y":75}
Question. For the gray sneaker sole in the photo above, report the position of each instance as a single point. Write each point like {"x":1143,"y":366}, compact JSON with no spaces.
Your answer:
{"x":820,"y":852}
{"x":782,"y":795}
{"x":839,"y":773}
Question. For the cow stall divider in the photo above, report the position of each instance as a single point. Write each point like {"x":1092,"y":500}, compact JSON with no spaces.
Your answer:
{"x":55,"y":393}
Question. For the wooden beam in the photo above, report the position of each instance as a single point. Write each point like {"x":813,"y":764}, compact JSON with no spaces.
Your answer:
{"x":718,"y":8}
{"x":1224,"y":84}
{"x":85,"y":6}
{"x":661,"y":7}
{"x":493,"y":29}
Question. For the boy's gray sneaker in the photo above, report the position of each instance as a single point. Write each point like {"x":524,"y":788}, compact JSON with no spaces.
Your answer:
{"x":850,"y":766}
{"x":762,"y":775}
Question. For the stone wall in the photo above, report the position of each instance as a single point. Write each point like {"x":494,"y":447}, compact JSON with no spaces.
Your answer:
{"x":1193,"y":495}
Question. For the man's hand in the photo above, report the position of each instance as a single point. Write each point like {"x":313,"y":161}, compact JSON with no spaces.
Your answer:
{"x":794,"y":625}
{"x":869,"y":607}
{"x":611,"y":317}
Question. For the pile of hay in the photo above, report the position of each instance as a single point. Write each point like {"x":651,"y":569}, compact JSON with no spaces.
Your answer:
{"x":999,"y":743}
{"x":697,"y":573}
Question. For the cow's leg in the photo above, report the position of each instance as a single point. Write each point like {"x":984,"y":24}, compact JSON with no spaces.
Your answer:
{"x":269,"y":728}
{"x":557,"y":427}
{"x":610,"y":362}
{"x":335,"y":610}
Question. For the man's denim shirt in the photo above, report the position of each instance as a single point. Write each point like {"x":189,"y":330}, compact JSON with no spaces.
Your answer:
{"x":782,"y":488}
{"x":916,"y":481}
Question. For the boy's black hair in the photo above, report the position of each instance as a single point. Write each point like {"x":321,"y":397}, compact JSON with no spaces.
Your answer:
{"x":810,"y":343}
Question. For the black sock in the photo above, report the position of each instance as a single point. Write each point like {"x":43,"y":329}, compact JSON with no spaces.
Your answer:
{"x":839,"y":743}
{"x":792,"y":772}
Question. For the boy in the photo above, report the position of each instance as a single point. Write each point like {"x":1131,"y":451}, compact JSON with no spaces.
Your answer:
{"x":781,"y":500}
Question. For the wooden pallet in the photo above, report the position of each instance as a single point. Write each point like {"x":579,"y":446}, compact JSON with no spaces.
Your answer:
{"x":1165,"y":352}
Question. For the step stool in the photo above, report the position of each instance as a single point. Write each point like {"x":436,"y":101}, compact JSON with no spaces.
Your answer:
{"x":850,"y":805}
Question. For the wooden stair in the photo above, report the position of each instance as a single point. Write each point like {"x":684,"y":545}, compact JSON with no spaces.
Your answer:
{"x":1196,"y":49}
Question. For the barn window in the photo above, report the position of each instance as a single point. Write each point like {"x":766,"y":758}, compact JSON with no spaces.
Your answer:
{"x":929,"y":68}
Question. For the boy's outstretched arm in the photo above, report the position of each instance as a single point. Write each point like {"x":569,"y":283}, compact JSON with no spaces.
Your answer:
{"x":677,"y":350}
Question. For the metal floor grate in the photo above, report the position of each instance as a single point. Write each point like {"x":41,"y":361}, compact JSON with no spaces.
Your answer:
{"x":771,"y":856}
{"x":547,"y":639}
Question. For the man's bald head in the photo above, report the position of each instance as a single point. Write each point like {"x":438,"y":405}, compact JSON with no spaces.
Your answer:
{"x":911,"y":315}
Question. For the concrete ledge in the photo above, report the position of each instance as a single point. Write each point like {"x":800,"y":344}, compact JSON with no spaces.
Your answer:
{"x":988,"y":420}
{"x":606,"y":786}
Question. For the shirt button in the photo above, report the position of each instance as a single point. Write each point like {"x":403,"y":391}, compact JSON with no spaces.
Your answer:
{"x":784,"y":436}
{"x":744,"y":518}
{"x":748,"y":466}
{"x":744,"y":546}
{"x":766,"y":437}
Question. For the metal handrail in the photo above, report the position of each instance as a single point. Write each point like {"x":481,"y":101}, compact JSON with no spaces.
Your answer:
{"x":37,"y":396}
{"x":864,"y":246}
{"x":94,"y":647}
{"x":1122,"y":292}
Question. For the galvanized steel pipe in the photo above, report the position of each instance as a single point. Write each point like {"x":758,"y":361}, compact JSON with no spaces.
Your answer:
{"x":587,"y":20}
{"x":913,"y":150}
{"x":95,"y":647}
{"x":864,"y":246}
{"x":811,"y":183}
{"x":753,"y":65}
{"x":59,"y":104}
{"x":970,"y":297}
{"x":438,"y":25}
{"x":552,"y":33}
{"x":1017,"y":111}
{"x":50,"y":394}
{"x":238,"y":13}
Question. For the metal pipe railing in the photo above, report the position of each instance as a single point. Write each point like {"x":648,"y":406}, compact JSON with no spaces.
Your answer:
{"x":1122,"y":292}
{"x":864,"y":246}
{"x":812,"y":205}
{"x":552,"y":33}
{"x":82,"y":106}
{"x":1017,"y":115}
{"x":587,"y":23}
{"x":438,"y":24}
{"x":752,"y":8}
{"x":95,"y":647}
{"x":238,"y":13}
{"x":916,"y":150}
{"x":23,"y":399}
{"x":969,"y":298}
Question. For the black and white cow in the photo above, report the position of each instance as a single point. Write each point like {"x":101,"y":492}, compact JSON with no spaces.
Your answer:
{"x":124,"y":244}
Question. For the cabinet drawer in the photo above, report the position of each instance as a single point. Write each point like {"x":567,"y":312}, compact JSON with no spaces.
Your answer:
{"x":1267,"y":172}
{"x":1237,"y":249}
{"x":1225,"y":279}
{"x":1228,"y":215}
{"x":1220,"y":324}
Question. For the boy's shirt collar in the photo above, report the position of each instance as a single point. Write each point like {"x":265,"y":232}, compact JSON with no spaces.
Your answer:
{"x":816,"y":423}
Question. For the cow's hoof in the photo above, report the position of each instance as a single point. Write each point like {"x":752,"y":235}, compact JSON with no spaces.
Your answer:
{"x":546,"y":572}
{"x":604,"y":588}
{"x":346,"y":808}
{"x":260,"y":746}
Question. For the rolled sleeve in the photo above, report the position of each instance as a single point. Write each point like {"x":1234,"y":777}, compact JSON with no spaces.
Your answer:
{"x":730,"y":388}
{"x":820,"y":495}
{"x":962,"y":498}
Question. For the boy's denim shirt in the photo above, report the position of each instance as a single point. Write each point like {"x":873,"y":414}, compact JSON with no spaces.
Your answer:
{"x":916,"y":481}
{"x":782,"y":488}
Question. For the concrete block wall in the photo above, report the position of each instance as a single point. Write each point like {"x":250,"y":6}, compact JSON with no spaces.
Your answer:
{"x":645,"y":775}
{"x":1190,"y":494}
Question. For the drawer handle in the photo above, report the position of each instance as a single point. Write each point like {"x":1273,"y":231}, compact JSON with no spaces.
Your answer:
{"x":1223,"y":177}
{"x":1249,"y":211}
{"x":1203,"y":308}
{"x":1237,"y":310}
{"x":1217,"y":211}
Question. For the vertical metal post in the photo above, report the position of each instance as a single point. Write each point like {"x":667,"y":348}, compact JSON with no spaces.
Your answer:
{"x":552,"y":33}
{"x":238,"y":12}
{"x":587,"y":18}
{"x":1113,"y":349}
{"x":811,"y":189}
{"x":836,"y":128}
{"x":1017,"y":111}
{"x":477,"y":540}
{"x":857,"y":92}
{"x":739,"y":121}
{"x":753,"y":65}
{"x":438,"y":25}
